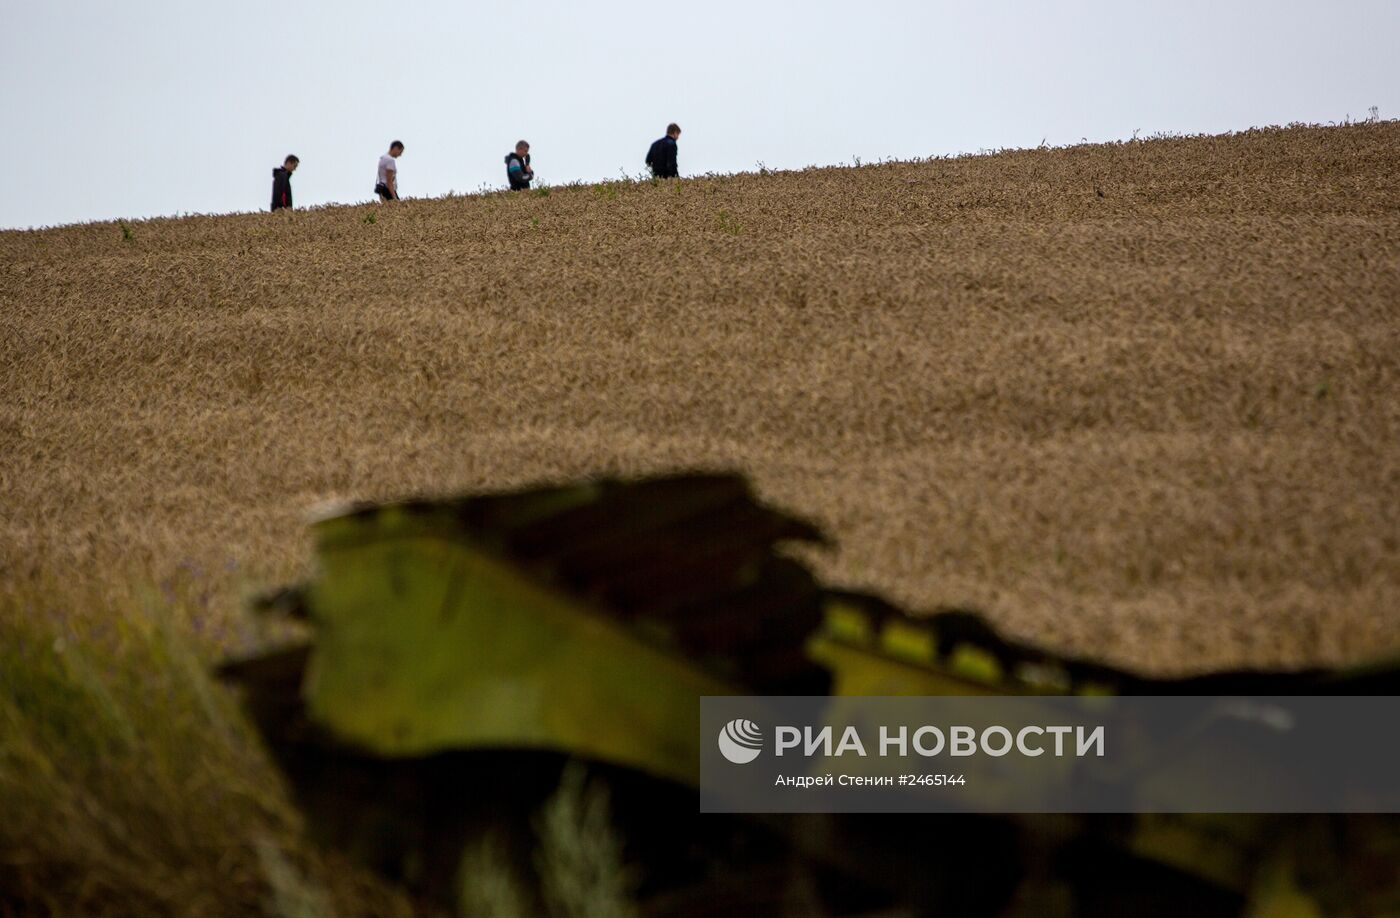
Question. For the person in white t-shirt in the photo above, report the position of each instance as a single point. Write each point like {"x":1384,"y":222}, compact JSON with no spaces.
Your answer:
{"x":387,"y":180}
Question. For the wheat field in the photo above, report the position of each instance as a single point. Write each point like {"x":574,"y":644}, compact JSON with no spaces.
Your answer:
{"x":1137,"y":401}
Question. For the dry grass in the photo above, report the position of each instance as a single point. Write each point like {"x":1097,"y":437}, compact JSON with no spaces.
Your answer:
{"x":129,"y":782}
{"x":1139,"y":401}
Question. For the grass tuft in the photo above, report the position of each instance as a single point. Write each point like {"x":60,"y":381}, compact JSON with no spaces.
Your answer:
{"x":130,"y":782}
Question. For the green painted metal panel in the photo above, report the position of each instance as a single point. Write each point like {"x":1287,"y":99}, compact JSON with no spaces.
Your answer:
{"x":426,"y":643}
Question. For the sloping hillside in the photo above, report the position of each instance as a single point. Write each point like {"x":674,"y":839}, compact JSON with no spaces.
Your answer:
{"x":1139,"y":401}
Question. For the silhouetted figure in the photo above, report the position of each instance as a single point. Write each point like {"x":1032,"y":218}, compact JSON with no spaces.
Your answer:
{"x":282,"y":183}
{"x":662,"y":155}
{"x":518,"y":171}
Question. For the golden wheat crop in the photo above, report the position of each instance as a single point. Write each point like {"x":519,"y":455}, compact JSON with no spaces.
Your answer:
{"x":1138,"y":401}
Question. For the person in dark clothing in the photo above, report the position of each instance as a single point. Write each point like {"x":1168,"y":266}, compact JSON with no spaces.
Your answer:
{"x":518,"y":171}
{"x":662,"y":155}
{"x":282,"y":183}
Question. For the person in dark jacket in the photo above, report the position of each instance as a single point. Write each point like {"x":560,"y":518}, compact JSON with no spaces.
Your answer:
{"x":662,"y":155}
{"x":518,"y":171}
{"x":282,"y":183}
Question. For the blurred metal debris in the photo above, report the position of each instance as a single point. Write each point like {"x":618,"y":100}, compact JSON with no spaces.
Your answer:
{"x":500,"y":635}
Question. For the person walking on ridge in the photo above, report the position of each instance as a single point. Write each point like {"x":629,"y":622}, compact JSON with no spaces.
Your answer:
{"x":518,"y":171}
{"x":387,"y":179}
{"x":662,"y":155}
{"x":282,"y":183}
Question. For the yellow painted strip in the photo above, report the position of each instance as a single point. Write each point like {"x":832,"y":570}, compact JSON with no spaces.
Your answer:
{"x":909,"y":641}
{"x":976,"y":664}
{"x":848,"y":623}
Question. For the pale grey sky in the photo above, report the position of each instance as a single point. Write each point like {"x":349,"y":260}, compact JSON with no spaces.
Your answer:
{"x":151,"y":107}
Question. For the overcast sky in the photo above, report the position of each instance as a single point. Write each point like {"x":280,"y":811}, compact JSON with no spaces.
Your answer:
{"x":145,"y":107}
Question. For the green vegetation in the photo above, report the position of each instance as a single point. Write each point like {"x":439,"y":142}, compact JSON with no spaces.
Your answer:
{"x":579,"y":862}
{"x":130,"y":782}
{"x":580,"y":859}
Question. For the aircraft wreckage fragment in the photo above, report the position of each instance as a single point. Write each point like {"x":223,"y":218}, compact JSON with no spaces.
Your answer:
{"x":587,"y":620}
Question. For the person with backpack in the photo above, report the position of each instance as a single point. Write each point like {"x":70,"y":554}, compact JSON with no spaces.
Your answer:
{"x":282,"y":183}
{"x":386,"y":183}
{"x":518,"y":171}
{"x":662,"y":155}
